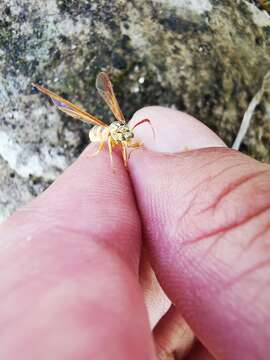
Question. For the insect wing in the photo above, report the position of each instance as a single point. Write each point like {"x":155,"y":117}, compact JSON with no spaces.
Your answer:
{"x":105,"y":89}
{"x":69,"y":108}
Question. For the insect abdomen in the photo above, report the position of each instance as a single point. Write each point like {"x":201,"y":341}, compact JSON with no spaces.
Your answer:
{"x":98,"y":134}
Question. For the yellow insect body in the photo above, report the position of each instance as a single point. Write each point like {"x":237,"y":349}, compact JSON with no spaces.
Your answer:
{"x":99,"y":134}
{"x":118,"y":133}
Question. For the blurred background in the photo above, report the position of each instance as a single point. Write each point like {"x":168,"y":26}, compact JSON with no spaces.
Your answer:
{"x":204,"y":57}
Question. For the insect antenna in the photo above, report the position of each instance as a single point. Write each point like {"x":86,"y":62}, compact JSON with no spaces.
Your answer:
{"x":145,"y":121}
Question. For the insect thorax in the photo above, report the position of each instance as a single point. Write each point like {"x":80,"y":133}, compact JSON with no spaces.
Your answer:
{"x":120,"y":132}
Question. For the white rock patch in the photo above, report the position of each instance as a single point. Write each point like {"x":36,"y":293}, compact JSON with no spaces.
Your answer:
{"x":260,"y":17}
{"x":198,"y":6}
{"x":45,"y":164}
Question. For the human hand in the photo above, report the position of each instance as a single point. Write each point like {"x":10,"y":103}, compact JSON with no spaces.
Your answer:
{"x":69,"y":280}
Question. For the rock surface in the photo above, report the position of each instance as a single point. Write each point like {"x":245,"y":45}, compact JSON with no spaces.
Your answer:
{"x":205,"y":57}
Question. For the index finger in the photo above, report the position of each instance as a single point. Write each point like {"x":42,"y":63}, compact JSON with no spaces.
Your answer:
{"x":69,"y":262}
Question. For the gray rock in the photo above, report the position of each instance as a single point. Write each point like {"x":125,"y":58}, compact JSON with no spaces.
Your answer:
{"x":205,"y":57}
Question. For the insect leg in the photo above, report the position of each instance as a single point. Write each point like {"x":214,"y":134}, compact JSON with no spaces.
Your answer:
{"x":142,"y":122}
{"x":110,"y":146}
{"x":100,"y":147}
{"x":136,"y":145}
{"x":124,"y":153}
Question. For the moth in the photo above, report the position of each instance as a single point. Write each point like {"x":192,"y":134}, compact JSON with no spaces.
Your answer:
{"x":118,"y":133}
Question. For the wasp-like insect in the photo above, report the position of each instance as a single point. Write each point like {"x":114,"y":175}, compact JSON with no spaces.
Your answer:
{"x":118,"y":133}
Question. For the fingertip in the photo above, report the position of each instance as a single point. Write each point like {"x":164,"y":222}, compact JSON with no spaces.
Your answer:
{"x":92,"y":198}
{"x":175,"y":131}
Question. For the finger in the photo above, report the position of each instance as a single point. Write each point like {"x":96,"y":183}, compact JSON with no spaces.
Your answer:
{"x":69,"y":263}
{"x":173,"y":337}
{"x":206,"y":216}
{"x":156,"y":301}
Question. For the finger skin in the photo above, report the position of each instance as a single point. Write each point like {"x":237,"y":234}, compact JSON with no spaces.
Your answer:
{"x":155,"y":299}
{"x":69,"y":263}
{"x":173,"y":336}
{"x":206,"y":215}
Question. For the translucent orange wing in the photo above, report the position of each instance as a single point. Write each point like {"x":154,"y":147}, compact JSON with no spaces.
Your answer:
{"x":69,"y":108}
{"x":105,"y":89}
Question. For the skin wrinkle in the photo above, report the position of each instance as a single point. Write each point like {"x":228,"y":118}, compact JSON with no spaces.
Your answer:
{"x":233,"y":186}
{"x":89,"y":241}
{"x":189,"y":261}
{"x":244,"y":180}
{"x":112,"y":247}
{"x":57,"y":230}
{"x":229,"y":292}
{"x":189,"y":155}
{"x":215,"y":242}
{"x":54,"y":216}
{"x":191,"y":265}
{"x":201,"y":153}
{"x":198,"y":154}
{"x":75,"y":241}
{"x":259,"y":235}
{"x":190,"y":206}
{"x":157,"y":221}
{"x":205,"y":165}
{"x":227,"y":236}
{"x":212,"y":177}
{"x":48,"y":219}
{"x":186,"y":157}
{"x":223,"y":236}
{"x":259,"y":292}
{"x":200,"y":186}
{"x":258,"y":266}
{"x":225,"y":228}
{"x":209,"y":252}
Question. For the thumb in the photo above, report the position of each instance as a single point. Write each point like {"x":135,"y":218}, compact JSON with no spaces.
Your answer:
{"x":206,"y":215}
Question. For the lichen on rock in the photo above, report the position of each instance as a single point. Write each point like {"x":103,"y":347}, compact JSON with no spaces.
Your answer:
{"x":207,"y":58}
